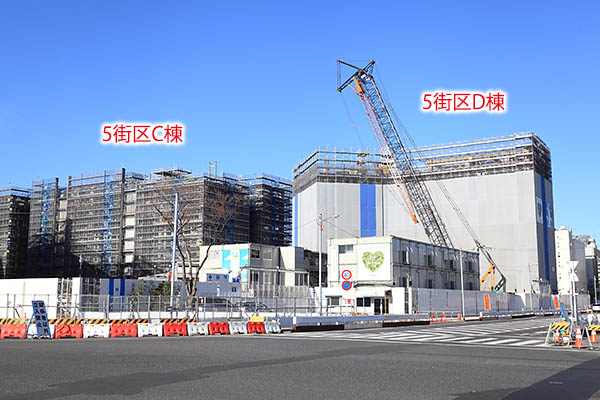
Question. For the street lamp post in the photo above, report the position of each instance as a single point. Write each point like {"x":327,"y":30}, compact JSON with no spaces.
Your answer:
{"x":173,"y":249}
{"x":320,"y":222}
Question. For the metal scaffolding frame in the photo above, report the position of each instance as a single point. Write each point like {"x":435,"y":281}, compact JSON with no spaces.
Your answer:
{"x":517,"y":152}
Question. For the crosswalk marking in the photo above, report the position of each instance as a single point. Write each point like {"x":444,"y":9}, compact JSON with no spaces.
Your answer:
{"x":516,"y":334}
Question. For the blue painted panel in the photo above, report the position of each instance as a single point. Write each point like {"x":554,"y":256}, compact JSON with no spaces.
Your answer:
{"x":111,"y":286}
{"x":544,"y":227}
{"x":122,"y":287}
{"x":368,"y":212}
{"x":226,"y":260}
{"x":243,"y":257}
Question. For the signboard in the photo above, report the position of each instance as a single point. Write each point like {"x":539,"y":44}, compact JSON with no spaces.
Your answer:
{"x":486,"y":302}
{"x":556,"y":305}
{"x":346,"y":274}
{"x":346,"y":285}
{"x":373,"y":263}
{"x":40,"y":319}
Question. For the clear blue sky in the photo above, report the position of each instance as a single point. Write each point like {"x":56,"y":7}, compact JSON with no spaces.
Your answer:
{"x":254,"y":82}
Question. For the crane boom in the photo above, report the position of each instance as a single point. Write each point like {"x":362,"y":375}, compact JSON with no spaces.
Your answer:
{"x":415,"y":192}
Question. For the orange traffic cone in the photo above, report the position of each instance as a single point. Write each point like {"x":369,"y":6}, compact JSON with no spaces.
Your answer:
{"x":578,"y":338}
{"x":434,"y":318}
{"x":443,"y":319}
{"x":594,"y":338}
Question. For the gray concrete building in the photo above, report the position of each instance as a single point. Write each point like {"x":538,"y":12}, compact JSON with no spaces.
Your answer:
{"x":502,"y":185}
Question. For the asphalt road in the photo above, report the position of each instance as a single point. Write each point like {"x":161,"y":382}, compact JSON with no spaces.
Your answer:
{"x":254,"y":367}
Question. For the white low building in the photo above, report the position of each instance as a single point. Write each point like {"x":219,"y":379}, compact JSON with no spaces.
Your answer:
{"x":373,"y":272}
{"x":263,"y":268}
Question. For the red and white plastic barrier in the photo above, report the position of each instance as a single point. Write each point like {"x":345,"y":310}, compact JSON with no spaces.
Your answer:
{"x":149,"y":329}
{"x":175,"y":328}
{"x":96,"y":330}
{"x":197,"y":328}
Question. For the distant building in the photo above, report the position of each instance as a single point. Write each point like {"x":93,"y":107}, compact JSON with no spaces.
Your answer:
{"x":592,"y":260}
{"x":14,"y":222}
{"x":570,"y":248}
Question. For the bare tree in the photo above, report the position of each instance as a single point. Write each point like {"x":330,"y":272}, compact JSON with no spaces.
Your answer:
{"x":205,"y":211}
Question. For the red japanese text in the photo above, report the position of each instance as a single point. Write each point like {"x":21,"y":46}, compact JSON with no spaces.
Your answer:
{"x":494,"y":101}
{"x":141,"y":133}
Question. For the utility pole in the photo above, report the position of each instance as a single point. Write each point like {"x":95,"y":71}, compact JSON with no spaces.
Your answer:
{"x":320,"y":222}
{"x":173,"y":249}
{"x":462,"y":284}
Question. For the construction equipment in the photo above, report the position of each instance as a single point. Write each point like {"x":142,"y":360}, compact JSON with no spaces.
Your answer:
{"x":415,"y":193}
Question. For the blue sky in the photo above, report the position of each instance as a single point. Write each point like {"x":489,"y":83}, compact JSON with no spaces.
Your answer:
{"x":254,"y":82}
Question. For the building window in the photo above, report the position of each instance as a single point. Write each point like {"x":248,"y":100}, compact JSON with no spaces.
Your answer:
{"x":301,"y":279}
{"x":255,"y":253}
{"x":363,"y":302}
{"x":346,"y":248}
{"x":404,"y":282}
{"x":470,"y":285}
{"x":405,"y":257}
{"x":254,"y":277}
{"x":268,"y":254}
{"x":451,"y":263}
{"x":429,"y":259}
{"x":451,"y":284}
{"x":430,"y":283}
{"x":334,"y":301}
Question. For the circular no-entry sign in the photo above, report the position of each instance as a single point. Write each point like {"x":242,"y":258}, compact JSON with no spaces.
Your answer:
{"x":346,"y":285}
{"x":346,"y":274}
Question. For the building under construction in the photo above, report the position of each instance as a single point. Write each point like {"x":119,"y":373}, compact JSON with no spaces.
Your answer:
{"x":119,"y":223}
{"x":270,"y":210}
{"x":14,"y":220}
{"x":503,"y":186}
{"x":211,"y":211}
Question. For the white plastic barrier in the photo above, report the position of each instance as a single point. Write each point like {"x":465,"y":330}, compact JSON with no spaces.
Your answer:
{"x":151,"y":329}
{"x":32,"y":331}
{"x":96,"y":330}
{"x":238,"y":327}
{"x":197,"y":328}
{"x":272,"y":327}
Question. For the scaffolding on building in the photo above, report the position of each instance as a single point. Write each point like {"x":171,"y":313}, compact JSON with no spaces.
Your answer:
{"x":116,"y":223}
{"x":517,"y":152}
{"x":270,"y":209}
{"x":14,"y":222}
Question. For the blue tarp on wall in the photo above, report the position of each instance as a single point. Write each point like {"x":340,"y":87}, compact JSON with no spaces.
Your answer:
{"x":368,"y":211}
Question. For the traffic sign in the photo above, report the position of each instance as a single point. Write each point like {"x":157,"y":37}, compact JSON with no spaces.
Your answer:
{"x":346,"y":285}
{"x":40,"y":319}
{"x":346,"y":274}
